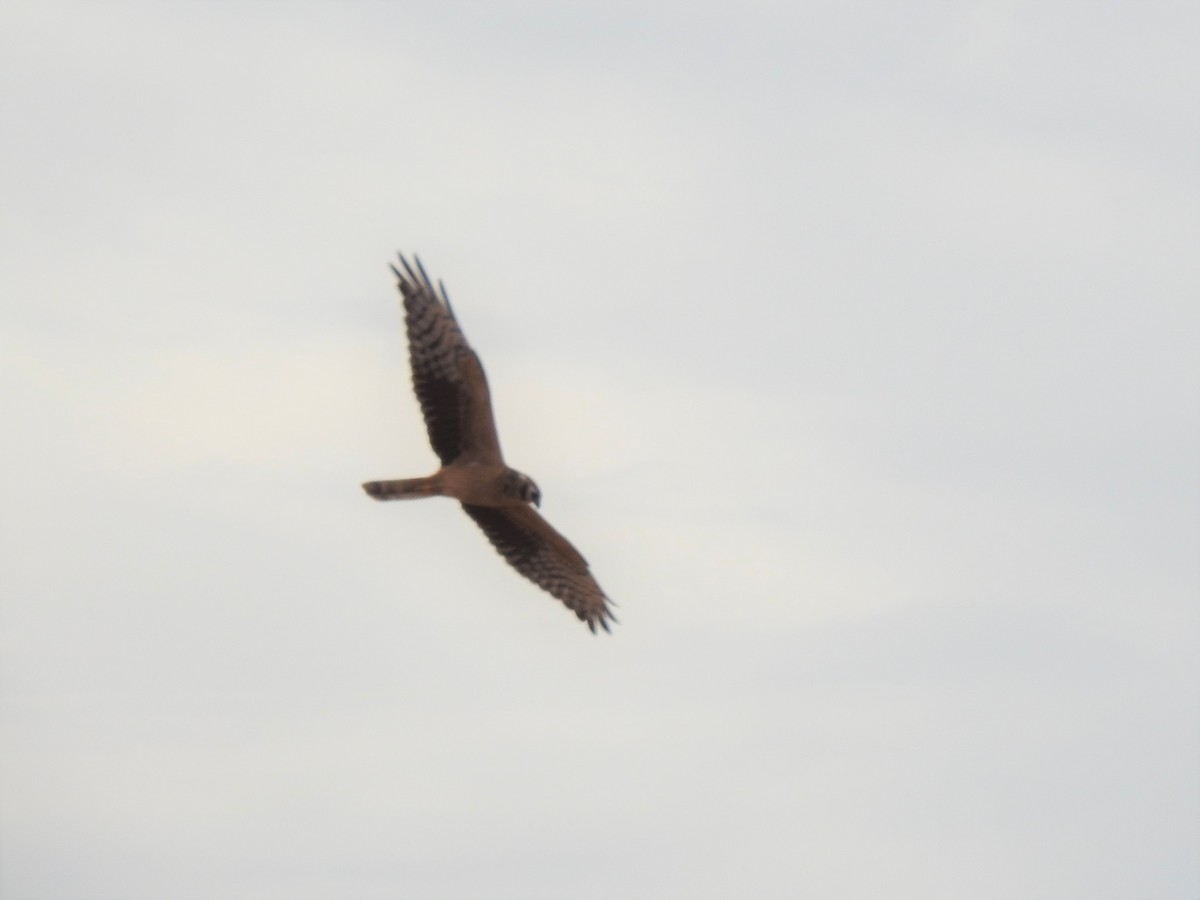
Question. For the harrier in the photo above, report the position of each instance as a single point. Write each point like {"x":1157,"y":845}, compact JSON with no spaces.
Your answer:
{"x":450,"y":385}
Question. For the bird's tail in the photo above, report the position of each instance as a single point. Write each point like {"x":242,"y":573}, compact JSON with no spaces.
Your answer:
{"x":404,"y":488}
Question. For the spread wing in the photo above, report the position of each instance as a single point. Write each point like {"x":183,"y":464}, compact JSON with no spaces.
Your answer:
{"x":447,"y":375}
{"x":545,"y":557}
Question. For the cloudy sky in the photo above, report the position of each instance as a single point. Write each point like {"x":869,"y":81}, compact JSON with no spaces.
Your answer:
{"x":854,"y":343}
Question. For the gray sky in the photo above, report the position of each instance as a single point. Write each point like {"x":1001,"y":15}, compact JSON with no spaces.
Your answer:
{"x":853,"y":343}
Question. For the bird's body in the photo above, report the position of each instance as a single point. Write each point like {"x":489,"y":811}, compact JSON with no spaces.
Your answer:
{"x":482,"y":484}
{"x":452,"y":389}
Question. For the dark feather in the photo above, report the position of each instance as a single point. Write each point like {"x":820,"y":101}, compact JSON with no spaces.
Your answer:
{"x":447,"y":376}
{"x":545,"y":557}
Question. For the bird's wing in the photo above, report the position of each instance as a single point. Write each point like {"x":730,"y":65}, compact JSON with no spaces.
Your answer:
{"x":447,"y":375}
{"x":545,"y":557}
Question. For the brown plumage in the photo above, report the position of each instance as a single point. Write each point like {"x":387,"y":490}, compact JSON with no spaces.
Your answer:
{"x":449,"y":383}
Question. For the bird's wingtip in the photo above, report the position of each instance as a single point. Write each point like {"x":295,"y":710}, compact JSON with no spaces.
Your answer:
{"x":602,"y":619}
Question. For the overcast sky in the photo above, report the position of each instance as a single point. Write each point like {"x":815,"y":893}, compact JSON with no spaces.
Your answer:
{"x":854,"y":344}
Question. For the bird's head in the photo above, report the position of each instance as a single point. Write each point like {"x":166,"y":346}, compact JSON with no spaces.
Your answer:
{"x":522,"y":486}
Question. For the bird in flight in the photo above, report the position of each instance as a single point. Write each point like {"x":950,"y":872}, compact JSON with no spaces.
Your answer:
{"x":453,"y":392}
